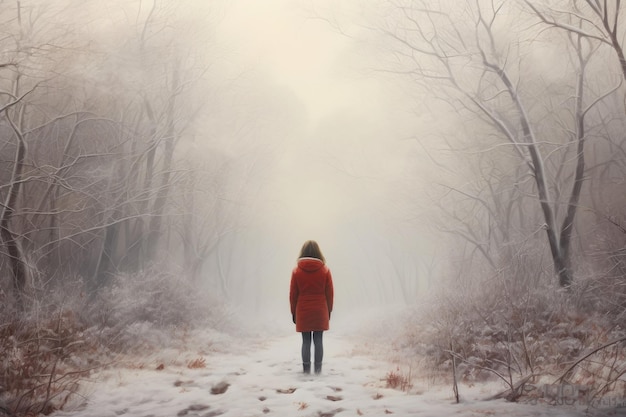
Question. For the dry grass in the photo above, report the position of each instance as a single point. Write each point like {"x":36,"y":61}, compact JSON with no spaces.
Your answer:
{"x":522,"y":337}
{"x":39,"y":372}
{"x":197,"y":363}
{"x":56,"y":342}
{"x":397,"y":380}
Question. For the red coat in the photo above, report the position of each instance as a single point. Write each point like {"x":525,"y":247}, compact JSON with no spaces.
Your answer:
{"x":311,"y":295}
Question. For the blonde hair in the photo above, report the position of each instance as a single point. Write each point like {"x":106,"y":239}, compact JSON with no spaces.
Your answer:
{"x":311,"y":249}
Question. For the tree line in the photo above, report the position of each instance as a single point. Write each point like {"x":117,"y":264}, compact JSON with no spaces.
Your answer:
{"x":535,"y":93}
{"x":105,"y":151}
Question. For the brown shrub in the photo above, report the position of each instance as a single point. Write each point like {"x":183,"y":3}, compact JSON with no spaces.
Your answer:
{"x":397,"y":380}
{"x":38,"y":372}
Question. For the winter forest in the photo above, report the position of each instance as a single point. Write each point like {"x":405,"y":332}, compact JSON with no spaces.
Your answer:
{"x":462,"y":164}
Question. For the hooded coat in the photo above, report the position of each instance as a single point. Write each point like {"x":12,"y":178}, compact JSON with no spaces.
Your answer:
{"x":311,"y":295}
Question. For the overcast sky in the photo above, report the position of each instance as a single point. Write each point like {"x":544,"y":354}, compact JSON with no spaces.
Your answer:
{"x":339,"y":183}
{"x":301,"y":52}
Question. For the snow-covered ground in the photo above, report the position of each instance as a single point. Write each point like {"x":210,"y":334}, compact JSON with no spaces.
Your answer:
{"x":257,"y":376}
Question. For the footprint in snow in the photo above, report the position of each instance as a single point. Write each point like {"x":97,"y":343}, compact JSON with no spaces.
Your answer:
{"x":329,"y":413}
{"x":220,"y":388}
{"x":286,"y":391}
{"x":213,"y":413}
{"x":195,"y":407}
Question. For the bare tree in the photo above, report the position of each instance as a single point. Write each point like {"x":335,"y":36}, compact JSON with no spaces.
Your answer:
{"x":205,"y":218}
{"x":78,"y":171}
{"x":482,"y":73}
{"x":591,"y":19}
{"x":16,"y":257}
{"x":21,"y":81}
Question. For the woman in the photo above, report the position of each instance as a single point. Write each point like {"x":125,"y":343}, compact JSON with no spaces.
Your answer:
{"x":311,"y":297}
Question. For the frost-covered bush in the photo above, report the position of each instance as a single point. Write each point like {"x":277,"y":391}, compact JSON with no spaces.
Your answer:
{"x":503,"y":330}
{"x":63,"y":334}
{"x":38,"y":371}
{"x":156,"y":297}
{"x":138,"y":308}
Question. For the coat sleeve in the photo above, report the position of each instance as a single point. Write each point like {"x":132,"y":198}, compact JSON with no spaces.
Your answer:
{"x":293,"y":293}
{"x":330,"y":292}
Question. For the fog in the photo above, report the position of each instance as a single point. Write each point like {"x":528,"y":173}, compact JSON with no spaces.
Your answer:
{"x":461,"y":164}
{"x":342,"y":176}
{"x":417,"y":145}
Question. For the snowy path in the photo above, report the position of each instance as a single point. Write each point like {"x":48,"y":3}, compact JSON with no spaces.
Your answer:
{"x":267,"y":381}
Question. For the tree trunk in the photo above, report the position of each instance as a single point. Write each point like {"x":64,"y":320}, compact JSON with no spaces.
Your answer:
{"x":156,"y":221}
{"x":559,"y":258}
{"x":565,"y":275}
{"x":104,"y":267}
{"x":16,"y":259}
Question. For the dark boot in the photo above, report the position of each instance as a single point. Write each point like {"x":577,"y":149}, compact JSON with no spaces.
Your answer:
{"x":318,"y":368}
{"x":306,"y":368}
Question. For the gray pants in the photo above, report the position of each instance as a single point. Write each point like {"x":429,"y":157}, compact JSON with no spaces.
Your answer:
{"x":306,"y":347}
